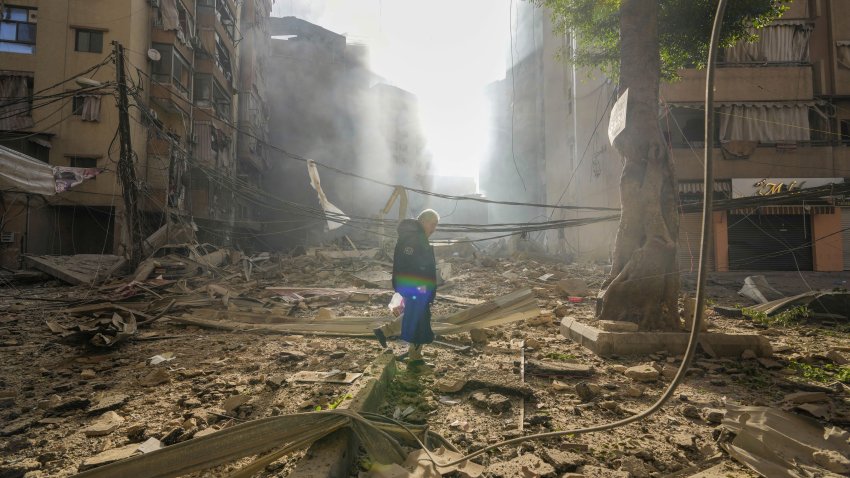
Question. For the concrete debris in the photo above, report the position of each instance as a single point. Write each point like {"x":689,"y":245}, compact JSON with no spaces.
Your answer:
{"x":573,"y":287}
{"x":778,"y":444}
{"x":80,"y":269}
{"x":759,"y":290}
{"x":334,"y":376}
{"x":557,"y":369}
{"x":494,"y":402}
{"x":642,"y":373}
{"x":104,"y":425}
{"x":527,"y":466}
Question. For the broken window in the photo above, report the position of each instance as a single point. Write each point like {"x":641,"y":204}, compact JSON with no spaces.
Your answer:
{"x":172,"y":68}
{"x":17,"y":29}
{"x":90,"y":41}
{"x":684,"y":126}
{"x":15,"y":100}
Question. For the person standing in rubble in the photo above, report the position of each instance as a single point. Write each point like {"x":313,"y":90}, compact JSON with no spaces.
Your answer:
{"x":415,"y":279}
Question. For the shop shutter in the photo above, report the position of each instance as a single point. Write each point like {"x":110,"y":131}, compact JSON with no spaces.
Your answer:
{"x":770,"y":242}
{"x":690,"y":228}
{"x":845,"y":235}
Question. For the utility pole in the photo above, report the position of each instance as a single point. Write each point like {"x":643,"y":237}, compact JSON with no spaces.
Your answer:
{"x":126,"y":168}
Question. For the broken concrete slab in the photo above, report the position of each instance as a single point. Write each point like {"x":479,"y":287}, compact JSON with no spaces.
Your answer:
{"x":80,"y":269}
{"x":643,"y":343}
{"x":109,"y":456}
{"x":775,"y":443}
{"x":335,"y":454}
{"x":104,"y":425}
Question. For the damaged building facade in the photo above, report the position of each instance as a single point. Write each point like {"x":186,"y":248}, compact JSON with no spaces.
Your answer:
{"x":782,"y":122}
{"x":330,"y":107}
{"x":193,"y":76}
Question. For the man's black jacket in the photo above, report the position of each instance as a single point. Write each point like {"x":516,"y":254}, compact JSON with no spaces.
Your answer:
{"x":414,"y":265}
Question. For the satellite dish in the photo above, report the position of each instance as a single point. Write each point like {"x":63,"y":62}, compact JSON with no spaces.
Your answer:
{"x":154,"y":55}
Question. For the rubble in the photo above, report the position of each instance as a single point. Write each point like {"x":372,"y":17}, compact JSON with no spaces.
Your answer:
{"x":479,"y":393}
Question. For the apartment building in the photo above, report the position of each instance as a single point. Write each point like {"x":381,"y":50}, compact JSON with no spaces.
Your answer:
{"x":782,"y":122}
{"x":184,"y":63}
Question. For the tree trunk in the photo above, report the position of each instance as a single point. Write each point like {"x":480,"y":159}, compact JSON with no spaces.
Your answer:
{"x":644,"y":283}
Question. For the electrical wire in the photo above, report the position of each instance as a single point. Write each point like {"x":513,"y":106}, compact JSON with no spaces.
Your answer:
{"x":700,"y":299}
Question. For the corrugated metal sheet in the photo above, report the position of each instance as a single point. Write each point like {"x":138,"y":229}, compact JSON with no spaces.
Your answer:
{"x":770,"y":242}
{"x":690,"y":228}
{"x":783,"y":210}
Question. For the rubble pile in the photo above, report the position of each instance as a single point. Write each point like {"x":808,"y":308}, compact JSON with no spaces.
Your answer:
{"x":200,"y":339}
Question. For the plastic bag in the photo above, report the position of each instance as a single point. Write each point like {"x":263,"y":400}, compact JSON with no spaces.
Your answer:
{"x":396,"y":304}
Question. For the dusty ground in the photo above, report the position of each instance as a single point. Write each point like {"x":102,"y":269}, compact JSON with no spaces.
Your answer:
{"x":50,"y":389}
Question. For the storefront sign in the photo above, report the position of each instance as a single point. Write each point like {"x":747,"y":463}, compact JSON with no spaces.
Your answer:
{"x":745,"y":187}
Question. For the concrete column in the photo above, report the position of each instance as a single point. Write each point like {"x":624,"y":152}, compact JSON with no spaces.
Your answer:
{"x":828,"y":247}
{"x":720,"y":228}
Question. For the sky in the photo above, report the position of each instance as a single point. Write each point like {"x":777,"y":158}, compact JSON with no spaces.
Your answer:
{"x":443,"y":51}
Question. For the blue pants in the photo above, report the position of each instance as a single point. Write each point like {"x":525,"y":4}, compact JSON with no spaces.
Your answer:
{"x":416,"y":321}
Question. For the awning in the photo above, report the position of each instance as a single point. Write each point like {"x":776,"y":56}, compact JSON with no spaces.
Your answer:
{"x":22,"y":173}
{"x":25,"y":174}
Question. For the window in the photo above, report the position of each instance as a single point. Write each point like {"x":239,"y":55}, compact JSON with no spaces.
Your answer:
{"x":225,"y":16}
{"x":202,"y":90}
{"x":90,"y":41}
{"x":221,"y":102}
{"x":77,"y":108}
{"x":17,"y":30}
{"x":83,"y":161}
{"x":172,"y":68}
{"x":222,"y":58}
{"x":87,"y":107}
{"x":16,"y":101}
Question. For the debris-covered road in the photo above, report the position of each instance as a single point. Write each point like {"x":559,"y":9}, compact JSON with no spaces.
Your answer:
{"x":95,"y":374}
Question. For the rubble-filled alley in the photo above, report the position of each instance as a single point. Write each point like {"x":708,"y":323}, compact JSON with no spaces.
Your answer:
{"x":95,"y":374}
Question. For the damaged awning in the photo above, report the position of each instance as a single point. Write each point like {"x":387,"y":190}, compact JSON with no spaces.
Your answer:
{"x":22,"y":173}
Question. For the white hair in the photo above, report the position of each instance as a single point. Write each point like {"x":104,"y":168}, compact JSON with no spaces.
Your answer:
{"x":429,"y":215}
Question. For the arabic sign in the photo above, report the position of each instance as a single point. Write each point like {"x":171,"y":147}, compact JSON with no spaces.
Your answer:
{"x":745,"y":187}
{"x":617,"y":119}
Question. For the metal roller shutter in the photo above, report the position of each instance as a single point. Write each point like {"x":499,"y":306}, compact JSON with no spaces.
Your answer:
{"x":845,"y":235}
{"x":770,"y":242}
{"x":690,"y":228}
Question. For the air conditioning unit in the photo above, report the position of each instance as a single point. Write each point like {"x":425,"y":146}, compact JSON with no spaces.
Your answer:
{"x":32,"y":17}
{"x":7,"y":237}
